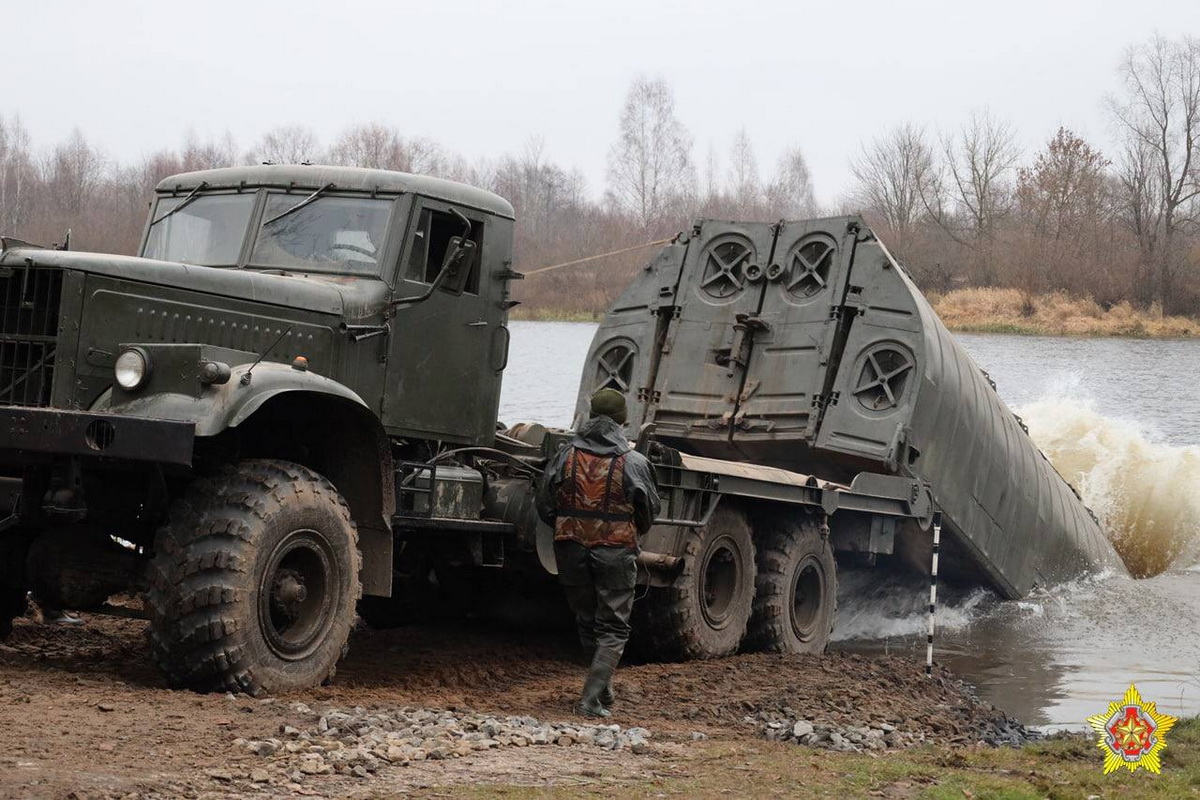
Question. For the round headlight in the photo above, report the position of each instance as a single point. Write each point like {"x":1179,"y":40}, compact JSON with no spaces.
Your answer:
{"x":132,"y":369}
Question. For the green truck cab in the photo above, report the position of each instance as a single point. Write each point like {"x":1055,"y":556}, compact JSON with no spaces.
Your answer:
{"x":283,"y":330}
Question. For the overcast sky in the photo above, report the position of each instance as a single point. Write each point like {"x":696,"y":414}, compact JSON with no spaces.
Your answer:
{"x":481,"y":78}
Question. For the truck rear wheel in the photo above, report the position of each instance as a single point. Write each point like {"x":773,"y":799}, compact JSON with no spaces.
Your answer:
{"x":796,"y":593}
{"x":254,"y":581}
{"x":704,"y":613}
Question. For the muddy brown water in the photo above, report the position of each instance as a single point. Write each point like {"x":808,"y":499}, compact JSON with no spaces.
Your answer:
{"x":1120,"y":419}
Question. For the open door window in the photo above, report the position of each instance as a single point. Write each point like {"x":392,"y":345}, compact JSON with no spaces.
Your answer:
{"x":433,"y":236}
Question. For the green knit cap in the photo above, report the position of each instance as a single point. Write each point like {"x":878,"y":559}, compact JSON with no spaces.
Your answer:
{"x":609,"y":403}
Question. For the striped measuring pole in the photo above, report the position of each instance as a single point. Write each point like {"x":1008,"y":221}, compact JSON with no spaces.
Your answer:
{"x":933,"y":571}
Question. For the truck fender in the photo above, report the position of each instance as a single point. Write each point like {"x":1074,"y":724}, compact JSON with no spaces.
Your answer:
{"x":354,"y":454}
{"x":219,"y":407}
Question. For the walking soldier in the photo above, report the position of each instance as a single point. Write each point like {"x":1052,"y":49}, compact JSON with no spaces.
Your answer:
{"x":599,"y":495}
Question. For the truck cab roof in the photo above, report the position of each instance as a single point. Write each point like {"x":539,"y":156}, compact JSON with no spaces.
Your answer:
{"x":353,"y":179}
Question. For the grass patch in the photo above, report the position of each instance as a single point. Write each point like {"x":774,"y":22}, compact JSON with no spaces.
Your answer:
{"x":535,"y":314}
{"x":1058,"y":768}
{"x":1057,"y":314}
{"x":1007,"y":311}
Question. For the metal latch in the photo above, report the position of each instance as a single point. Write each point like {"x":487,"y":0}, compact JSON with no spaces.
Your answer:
{"x":744,"y":330}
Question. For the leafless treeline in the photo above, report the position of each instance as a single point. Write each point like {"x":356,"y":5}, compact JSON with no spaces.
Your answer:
{"x":962,"y":207}
{"x":966,"y":208}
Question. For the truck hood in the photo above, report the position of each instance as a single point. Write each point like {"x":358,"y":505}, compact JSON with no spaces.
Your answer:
{"x":348,"y":297}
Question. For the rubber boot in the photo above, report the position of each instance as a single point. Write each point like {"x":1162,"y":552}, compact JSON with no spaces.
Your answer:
{"x":607,"y":698}
{"x":598,"y":678}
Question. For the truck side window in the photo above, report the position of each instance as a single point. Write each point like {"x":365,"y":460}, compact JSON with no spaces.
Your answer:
{"x":430,"y":240}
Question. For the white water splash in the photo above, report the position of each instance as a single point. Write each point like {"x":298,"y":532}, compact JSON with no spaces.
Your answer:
{"x":1145,"y":493}
{"x":882,"y":605}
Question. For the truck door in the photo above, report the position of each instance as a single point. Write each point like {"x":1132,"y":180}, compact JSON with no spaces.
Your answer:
{"x":446,"y":353}
{"x":708,"y":344}
{"x":797,"y":322}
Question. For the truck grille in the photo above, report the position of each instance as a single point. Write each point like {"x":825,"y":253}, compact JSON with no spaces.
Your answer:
{"x":29,"y":308}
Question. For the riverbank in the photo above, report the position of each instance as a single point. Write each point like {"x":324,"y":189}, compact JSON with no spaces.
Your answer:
{"x":469,"y":710}
{"x":1000,"y":311}
{"x":1014,"y":312}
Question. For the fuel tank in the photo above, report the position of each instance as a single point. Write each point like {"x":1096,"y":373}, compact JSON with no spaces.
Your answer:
{"x":805,"y":345}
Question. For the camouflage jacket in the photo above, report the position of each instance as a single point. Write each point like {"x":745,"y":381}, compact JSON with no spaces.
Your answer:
{"x":601,"y":436}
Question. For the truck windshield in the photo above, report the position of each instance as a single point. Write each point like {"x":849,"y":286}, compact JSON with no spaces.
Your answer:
{"x":329,"y":234}
{"x":208,"y":231}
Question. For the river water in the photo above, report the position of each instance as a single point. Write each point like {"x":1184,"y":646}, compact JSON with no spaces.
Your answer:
{"x":1120,"y":418}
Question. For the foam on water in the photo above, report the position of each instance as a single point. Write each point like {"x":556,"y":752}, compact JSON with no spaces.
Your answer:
{"x":1146,"y":493}
{"x":882,"y":605}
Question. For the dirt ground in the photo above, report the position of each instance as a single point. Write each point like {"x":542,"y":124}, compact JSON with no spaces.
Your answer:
{"x":83,"y":713}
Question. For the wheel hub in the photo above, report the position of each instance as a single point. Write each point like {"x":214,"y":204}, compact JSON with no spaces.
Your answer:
{"x":288,"y":593}
{"x":296,"y":594}
{"x":720,"y":581}
{"x":808,"y":593}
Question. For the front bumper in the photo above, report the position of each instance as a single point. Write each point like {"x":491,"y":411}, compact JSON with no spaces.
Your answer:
{"x":30,"y":434}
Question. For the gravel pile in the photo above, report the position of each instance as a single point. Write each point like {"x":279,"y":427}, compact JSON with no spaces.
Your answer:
{"x":996,"y":731}
{"x":360,"y":742}
{"x":848,"y":738}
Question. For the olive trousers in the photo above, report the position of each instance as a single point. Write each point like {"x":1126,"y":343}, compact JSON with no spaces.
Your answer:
{"x":599,"y":583}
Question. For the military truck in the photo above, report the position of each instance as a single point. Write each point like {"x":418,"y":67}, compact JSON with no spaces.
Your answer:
{"x":282,"y":414}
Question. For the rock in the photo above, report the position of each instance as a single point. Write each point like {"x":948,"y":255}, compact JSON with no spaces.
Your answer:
{"x":564,"y":741}
{"x":259,"y":776}
{"x":802,"y":728}
{"x":105,"y":707}
{"x":222,"y":775}
{"x":265,"y":748}
{"x":697,"y":736}
{"x":886,"y":727}
{"x":395,"y":753}
{"x":360,"y":771}
{"x":314,"y":765}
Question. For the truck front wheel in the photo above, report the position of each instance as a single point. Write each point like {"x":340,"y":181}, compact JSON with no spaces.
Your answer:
{"x":704,"y":612}
{"x":796,"y":595}
{"x":254,"y":581}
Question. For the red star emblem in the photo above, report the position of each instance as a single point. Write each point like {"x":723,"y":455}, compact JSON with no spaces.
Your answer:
{"x":1131,"y":731}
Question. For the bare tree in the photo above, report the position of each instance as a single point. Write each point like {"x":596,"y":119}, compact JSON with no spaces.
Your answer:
{"x":895,"y":178}
{"x":979,"y":161}
{"x":1064,"y":204}
{"x":16,"y":175}
{"x":372,"y":145}
{"x":744,"y":182}
{"x":790,"y":193}
{"x":379,"y":147}
{"x":73,"y":171}
{"x":1160,"y":118}
{"x":649,"y":166}
{"x":287,"y":144}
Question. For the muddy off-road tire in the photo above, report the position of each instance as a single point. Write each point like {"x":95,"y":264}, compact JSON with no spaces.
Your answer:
{"x":704,"y":613}
{"x":254,"y":581}
{"x":796,"y":594}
